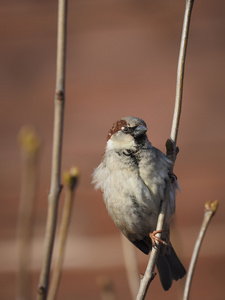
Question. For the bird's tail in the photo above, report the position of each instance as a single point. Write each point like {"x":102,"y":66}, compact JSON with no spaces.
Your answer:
{"x":170,"y":268}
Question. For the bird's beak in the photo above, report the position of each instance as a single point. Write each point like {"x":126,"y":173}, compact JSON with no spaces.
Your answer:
{"x":140,"y":130}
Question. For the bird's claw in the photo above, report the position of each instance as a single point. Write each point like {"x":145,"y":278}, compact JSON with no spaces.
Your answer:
{"x":172,"y":177}
{"x":155,"y":238}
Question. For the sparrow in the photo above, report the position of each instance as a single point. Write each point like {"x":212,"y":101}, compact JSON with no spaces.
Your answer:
{"x":132,"y":176}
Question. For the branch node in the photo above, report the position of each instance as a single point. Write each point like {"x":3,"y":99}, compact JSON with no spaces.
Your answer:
{"x":60,"y":95}
{"x":170,"y":148}
{"x":41,"y":290}
{"x":71,"y":177}
{"x":29,"y":140}
{"x":212,"y":206}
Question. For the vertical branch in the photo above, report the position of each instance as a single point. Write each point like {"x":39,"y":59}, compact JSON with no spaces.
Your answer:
{"x":30,"y":144}
{"x":149,"y":272}
{"x":107,"y":289}
{"x":171,"y":149}
{"x":210,"y":210}
{"x":70,"y":179}
{"x":55,"y":188}
{"x":180,"y":71}
{"x":131,"y":264}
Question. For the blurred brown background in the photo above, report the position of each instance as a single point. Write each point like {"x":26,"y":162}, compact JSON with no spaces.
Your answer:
{"x":121,"y":60}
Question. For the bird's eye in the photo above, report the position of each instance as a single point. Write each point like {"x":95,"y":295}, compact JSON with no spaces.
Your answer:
{"x":125,"y":129}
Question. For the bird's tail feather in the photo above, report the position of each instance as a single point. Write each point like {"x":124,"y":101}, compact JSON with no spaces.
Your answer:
{"x":170,"y":268}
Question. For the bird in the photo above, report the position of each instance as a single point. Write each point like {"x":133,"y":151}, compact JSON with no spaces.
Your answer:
{"x":132,"y":177}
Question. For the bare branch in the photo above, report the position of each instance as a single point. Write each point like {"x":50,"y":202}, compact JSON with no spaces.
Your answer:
{"x":171,"y":148}
{"x":55,"y":188}
{"x":149,"y":272}
{"x":210,"y":210}
{"x":130,"y":259}
{"x":180,"y":71}
{"x":30,"y":144}
{"x":71,"y":179}
{"x":107,"y":288}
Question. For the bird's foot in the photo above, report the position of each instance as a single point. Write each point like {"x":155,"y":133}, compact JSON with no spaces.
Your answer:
{"x":154,"y":238}
{"x":172,"y":177}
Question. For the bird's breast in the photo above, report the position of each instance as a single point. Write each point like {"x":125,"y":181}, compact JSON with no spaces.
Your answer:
{"x":129,"y":203}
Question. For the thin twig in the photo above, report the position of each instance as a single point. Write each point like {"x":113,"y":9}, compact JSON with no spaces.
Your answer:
{"x":55,"y":188}
{"x":30,"y":144}
{"x":180,"y":71}
{"x":130,"y":259}
{"x":171,"y":148}
{"x":107,"y":289}
{"x":149,"y":272}
{"x":210,"y":210}
{"x":71,"y":179}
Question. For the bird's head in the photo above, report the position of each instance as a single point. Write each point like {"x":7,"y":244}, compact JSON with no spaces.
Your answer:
{"x":128,"y":133}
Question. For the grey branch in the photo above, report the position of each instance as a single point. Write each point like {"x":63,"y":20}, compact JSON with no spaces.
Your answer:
{"x":71,"y":179}
{"x":210,"y":210}
{"x":30,"y":144}
{"x":107,"y":289}
{"x":131,"y":265}
{"x":149,"y":273}
{"x":180,"y":70}
{"x":55,"y":188}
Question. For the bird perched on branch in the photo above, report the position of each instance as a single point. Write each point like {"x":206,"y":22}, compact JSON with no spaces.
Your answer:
{"x":132,"y":177}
